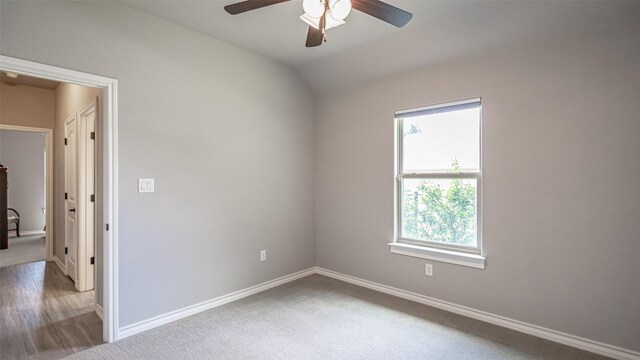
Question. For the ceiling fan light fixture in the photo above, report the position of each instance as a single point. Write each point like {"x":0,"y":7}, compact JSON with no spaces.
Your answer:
{"x":315,"y":22}
{"x":313,"y":8}
{"x":331,"y":21}
{"x":321,"y":15}
{"x":340,"y":9}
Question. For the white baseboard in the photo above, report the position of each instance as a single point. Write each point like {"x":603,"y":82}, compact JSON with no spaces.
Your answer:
{"x":539,"y":331}
{"x":163,"y":319}
{"x":60,"y":264}
{"x":32,"y":232}
{"x":99,"y":312}
{"x":535,"y":330}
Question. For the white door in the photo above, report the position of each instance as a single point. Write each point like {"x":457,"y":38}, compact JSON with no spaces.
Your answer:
{"x":86,"y":196}
{"x":71,"y":194}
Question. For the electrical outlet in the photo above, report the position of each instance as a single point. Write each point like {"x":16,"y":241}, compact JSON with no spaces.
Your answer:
{"x":428,"y":269}
{"x":263,"y":255}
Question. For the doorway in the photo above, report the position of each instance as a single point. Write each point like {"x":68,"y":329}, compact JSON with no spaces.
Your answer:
{"x":61,"y":314}
{"x":28,"y":151}
{"x":105,"y":201}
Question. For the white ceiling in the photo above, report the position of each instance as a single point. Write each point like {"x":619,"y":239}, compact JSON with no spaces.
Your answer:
{"x":366,"y":48}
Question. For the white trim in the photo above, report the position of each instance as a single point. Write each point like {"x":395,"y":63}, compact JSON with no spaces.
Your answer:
{"x":209,"y":304}
{"x":48,"y":72}
{"x":32,"y":232}
{"x":110,"y":173}
{"x":99,"y":311}
{"x":535,"y":330}
{"x":400,"y":176}
{"x":446,"y":176}
{"x":443,"y":255}
{"x":48,"y":139}
{"x":110,"y":210}
{"x":62,"y":267}
{"x":399,"y":113}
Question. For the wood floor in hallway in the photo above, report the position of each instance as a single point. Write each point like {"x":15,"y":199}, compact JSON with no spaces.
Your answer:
{"x":42,"y":316}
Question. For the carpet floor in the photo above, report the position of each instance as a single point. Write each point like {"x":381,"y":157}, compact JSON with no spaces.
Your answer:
{"x":23,"y":249}
{"x":322,"y":318}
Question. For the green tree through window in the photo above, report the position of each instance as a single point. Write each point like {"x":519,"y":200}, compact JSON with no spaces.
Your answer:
{"x":442,"y":213}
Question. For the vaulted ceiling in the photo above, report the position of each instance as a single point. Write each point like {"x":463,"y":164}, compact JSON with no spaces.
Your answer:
{"x":365,"y":48}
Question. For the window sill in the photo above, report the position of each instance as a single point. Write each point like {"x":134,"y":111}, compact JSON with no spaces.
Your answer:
{"x":448,"y":256}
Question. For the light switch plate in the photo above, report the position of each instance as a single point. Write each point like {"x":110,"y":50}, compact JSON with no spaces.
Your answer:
{"x":146,"y":185}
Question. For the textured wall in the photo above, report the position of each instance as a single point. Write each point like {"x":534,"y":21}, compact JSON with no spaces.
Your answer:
{"x":561,"y":195}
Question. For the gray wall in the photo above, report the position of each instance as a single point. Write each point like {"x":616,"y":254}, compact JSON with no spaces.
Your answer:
{"x":227,"y":134}
{"x":561,"y":197}
{"x":23,"y":155}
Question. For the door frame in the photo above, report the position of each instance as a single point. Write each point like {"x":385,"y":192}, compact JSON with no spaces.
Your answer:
{"x":48,"y":139}
{"x":109,"y":199}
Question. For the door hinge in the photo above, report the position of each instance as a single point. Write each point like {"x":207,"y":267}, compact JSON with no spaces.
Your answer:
{"x":93,"y":260}
{"x":66,"y":196}
{"x":93,"y":135}
{"x":93,"y":198}
{"x":107,"y":227}
{"x":65,"y":141}
{"x":66,"y":250}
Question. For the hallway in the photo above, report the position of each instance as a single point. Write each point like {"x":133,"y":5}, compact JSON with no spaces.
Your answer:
{"x":24,"y":249}
{"x":42,"y":316}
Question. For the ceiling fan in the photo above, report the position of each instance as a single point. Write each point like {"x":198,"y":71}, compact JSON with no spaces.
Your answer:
{"x":322,"y":15}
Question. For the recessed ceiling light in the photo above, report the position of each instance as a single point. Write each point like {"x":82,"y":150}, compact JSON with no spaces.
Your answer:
{"x":11,"y":75}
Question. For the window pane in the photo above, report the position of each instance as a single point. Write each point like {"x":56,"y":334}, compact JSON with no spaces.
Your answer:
{"x":442,"y":142}
{"x":440,"y":210}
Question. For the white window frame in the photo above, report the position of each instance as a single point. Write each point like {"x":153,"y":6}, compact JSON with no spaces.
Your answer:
{"x":450,"y":253}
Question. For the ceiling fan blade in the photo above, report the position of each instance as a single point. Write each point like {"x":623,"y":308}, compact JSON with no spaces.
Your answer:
{"x":383,"y":11}
{"x":244,"y":6}
{"x":314,"y":37}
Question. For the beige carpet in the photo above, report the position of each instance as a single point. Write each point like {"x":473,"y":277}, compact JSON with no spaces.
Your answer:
{"x":23,"y":249}
{"x":321,"y":318}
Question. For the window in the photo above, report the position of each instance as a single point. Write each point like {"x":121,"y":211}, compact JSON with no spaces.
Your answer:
{"x":438,"y":183}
